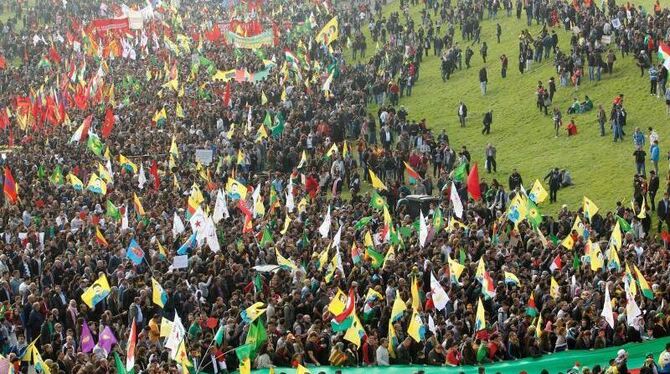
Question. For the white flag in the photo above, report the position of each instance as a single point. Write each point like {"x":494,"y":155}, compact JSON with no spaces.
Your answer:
{"x":198,"y":223}
{"x":325,"y":226}
{"x":290,"y":203}
{"x":337,"y":238}
{"x":431,"y":325}
{"x":632,"y":311}
{"x":142,"y":178}
{"x":607,"y":308}
{"x":423,"y":230}
{"x":124,"y":219}
{"x":176,"y":335}
{"x":456,"y":201}
{"x":440,"y":297}
{"x":211,"y":237}
{"x":177,"y":226}
{"x":220,"y":208}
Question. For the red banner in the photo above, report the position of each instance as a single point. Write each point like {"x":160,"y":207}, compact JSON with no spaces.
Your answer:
{"x":102,"y":26}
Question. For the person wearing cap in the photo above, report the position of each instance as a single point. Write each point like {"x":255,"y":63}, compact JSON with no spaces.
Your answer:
{"x":649,"y":366}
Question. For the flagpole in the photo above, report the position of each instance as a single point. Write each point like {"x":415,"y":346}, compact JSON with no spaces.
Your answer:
{"x":197,"y":370}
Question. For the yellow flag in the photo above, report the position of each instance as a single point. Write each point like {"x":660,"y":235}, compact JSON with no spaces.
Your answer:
{"x":590,"y":208}
{"x":287,"y":223}
{"x":180,"y":111}
{"x":245,"y":366}
{"x":166,"y":327}
{"x":261,"y":134}
{"x":158,"y":295}
{"x":300,"y":370}
{"x":376,"y":182}
{"x":595,"y":256}
{"x":355,"y":332}
{"x":329,"y":32}
{"x":416,"y":328}
{"x":554,"y":289}
{"x":338,"y":303}
{"x":416,"y":297}
{"x":264,"y":99}
{"x":538,"y":194}
{"x":96,"y":292}
{"x":455,"y":270}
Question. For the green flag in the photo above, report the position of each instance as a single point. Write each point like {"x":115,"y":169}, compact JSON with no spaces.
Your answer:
{"x":376,"y":257}
{"x":623,"y":224}
{"x":95,"y":144}
{"x":266,"y":238}
{"x":461,"y":256}
{"x":533,"y":214}
{"x":438,"y":221}
{"x":377,"y":201}
{"x":362,"y":222}
{"x":267,"y":121}
{"x":41,"y":174}
{"x":460,"y":172}
{"x":244,"y":351}
{"x":575,"y":262}
{"x":57,"y":177}
{"x":120,"y":367}
{"x":218,"y":338}
{"x":112,"y":211}
{"x":256,"y":335}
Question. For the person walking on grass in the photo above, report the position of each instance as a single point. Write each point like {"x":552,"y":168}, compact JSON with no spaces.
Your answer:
{"x":653,"y":189}
{"x":484,"y":51}
{"x":557,"y":117}
{"x":462,"y":113}
{"x":488,"y":119}
{"x":491,"y":159}
{"x":483,"y":80}
{"x":504,"y":62}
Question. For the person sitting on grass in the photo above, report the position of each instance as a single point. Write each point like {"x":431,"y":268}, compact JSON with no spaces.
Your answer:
{"x":571,"y":127}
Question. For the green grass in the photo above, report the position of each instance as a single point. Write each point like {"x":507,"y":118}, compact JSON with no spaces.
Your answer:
{"x":524,"y":138}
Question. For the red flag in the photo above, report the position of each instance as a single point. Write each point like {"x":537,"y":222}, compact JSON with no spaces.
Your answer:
{"x":226,"y":95}
{"x":3,"y":62}
{"x":154,"y":172}
{"x":108,"y":124}
{"x":53,"y":55}
{"x":556,"y":264}
{"x":473,"y":183}
{"x":4,"y":119}
{"x":9,"y":187}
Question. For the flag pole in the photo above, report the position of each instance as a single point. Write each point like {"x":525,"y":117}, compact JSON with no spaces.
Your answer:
{"x":197,"y":370}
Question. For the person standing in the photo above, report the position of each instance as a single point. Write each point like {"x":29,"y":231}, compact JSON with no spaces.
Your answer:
{"x":488,"y":119}
{"x":552,"y":88}
{"x":654,"y":154}
{"x":653,"y":80}
{"x":640,"y":156}
{"x":468,"y":56}
{"x":653,"y":188}
{"x":663,"y":212}
{"x":462,"y":113}
{"x":602,"y":118}
{"x":611,"y":57}
{"x":491,"y":158}
{"x":554,"y":177}
{"x":515,"y":181}
{"x":483,"y":80}
{"x":504,"y":62}
{"x":498,"y":32}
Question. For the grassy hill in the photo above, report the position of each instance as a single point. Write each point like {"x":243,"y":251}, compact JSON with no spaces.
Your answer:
{"x":524,"y":137}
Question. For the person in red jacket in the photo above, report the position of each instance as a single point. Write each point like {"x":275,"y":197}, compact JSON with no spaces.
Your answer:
{"x":572,"y":128}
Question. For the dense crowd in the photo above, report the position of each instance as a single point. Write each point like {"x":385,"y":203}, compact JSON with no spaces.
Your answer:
{"x":304,"y":201}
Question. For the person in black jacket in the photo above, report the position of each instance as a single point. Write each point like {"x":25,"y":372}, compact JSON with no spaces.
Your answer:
{"x":488,"y":119}
{"x":462,"y":113}
{"x":515,"y":180}
{"x":483,"y":79}
{"x":554,"y":177}
{"x":653,"y":188}
{"x":663,"y":212}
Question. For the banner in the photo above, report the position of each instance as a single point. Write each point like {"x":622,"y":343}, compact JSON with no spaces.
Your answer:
{"x":252,"y":42}
{"x":242,"y":75}
{"x":102,"y":26}
{"x":554,"y":363}
{"x":135,"y":20}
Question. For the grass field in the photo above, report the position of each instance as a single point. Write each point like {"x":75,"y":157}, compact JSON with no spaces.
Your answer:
{"x":524,"y":138}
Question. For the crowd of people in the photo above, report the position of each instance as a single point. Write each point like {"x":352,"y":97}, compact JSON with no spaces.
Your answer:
{"x":197,"y":196}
